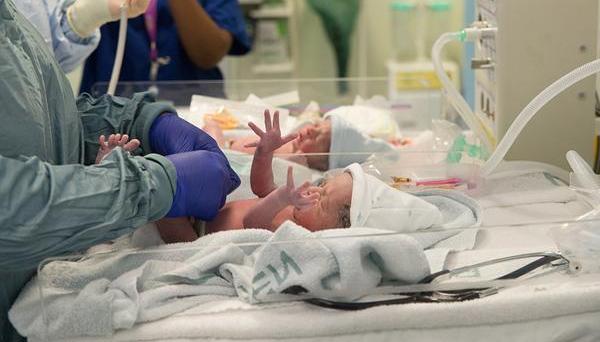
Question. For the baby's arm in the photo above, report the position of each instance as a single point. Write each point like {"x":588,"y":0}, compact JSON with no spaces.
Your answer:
{"x":263,"y":213}
{"x":261,"y":174}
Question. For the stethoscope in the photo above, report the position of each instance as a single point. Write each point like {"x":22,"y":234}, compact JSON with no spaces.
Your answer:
{"x":555,"y":260}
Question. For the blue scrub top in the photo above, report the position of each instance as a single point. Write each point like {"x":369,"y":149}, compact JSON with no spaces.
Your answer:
{"x":136,"y":64}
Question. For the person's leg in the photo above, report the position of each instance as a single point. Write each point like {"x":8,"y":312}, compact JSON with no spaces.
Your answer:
{"x":173,"y":230}
{"x":213,"y":129}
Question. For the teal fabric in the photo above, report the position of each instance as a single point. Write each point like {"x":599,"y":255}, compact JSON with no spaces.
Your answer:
{"x":338,"y":18}
{"x":52,"y":201}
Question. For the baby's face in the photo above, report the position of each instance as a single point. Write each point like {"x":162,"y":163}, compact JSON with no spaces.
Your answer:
{"x":335,"y":193}
{"x":315,"y":138}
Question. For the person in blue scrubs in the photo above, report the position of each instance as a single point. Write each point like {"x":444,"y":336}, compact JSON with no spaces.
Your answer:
{"x":191,"y":38}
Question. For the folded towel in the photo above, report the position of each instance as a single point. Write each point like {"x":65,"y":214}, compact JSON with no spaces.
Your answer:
{"x":520,"y":187}
{"x":457,"y":209}
{"x":100,"y":294}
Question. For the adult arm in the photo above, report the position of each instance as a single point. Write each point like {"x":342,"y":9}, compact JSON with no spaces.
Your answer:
{"x":49,"y":18}
{"x":49,"y":210}
{"x":205,"y":42}
{"x":72,"y":40}
{"x":106,"y":115}
{"x":204,"y":176}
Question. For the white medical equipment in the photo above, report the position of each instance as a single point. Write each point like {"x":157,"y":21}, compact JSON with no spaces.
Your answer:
{"x":114,"y":77}
{"x":517,"y":59}
{"x":537,"y":41}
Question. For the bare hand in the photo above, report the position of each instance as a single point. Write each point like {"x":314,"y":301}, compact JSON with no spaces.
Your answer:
{"x":271,"y":139}
{"x":114,"y":141}
{"x":299,"y":197}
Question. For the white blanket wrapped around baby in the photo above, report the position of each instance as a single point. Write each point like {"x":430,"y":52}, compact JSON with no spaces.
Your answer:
{"x":106,"y":292}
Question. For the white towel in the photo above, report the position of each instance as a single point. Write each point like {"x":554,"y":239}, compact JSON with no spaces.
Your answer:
{"x":524,"y":188}
{"x":98,"y":295}
{"x":457,"y":209}
{"x":559,"y":312}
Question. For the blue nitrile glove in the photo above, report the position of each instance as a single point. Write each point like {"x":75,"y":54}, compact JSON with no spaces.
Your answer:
{"x":203,"y":181}
{"x":169,"y":134}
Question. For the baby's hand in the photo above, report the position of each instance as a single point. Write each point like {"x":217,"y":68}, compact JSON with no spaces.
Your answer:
{"x":400,"y":141}
{"x":271,"y":139}
{"x":114,"y":141}
{"x":299,"y":197}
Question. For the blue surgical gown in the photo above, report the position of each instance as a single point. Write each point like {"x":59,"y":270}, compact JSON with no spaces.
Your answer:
{"x":52,"y":201}
{"x":136,"y":64}
{"x":49,"y":17}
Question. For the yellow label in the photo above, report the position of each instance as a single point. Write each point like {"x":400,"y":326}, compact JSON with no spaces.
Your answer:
{"x":417,"y":80}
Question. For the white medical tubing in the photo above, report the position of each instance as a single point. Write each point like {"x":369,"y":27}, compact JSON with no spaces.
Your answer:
{"x":581,"y":167}
{"x":116,"y":71}
{"x":453,"y":94}
{"x":533,"y":107}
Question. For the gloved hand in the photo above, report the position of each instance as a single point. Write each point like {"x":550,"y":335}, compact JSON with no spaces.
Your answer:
{"x":85,"y":16}
{"x":170,"y":134}
{"x":134,"y":7}
{"x":204,"y":179}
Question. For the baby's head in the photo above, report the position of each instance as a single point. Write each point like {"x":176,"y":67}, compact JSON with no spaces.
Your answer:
{"x":332,"y":210}
{"x":337,"y":135}
{"x":375,"y":204}
{"x":315,"y":138}
{"x":349,"y":144}
{"x":354,"y":198}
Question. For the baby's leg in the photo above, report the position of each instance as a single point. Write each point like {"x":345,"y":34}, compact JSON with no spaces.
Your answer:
{"x":212,"y":128}
{"x":114,"y":141}
{"x":173,"y":230}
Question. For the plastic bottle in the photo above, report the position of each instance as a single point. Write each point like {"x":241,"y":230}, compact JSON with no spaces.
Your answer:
{"x":404,"y":34}
{"x":436,"y":19}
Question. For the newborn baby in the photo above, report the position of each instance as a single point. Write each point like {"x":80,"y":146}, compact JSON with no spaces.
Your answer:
{"x":334,"y":134}
{"x":325,"y":205}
